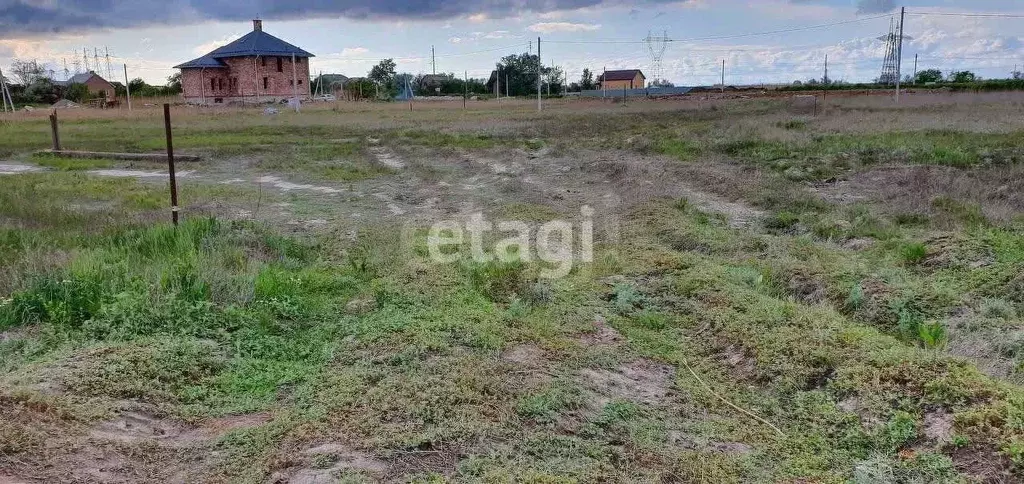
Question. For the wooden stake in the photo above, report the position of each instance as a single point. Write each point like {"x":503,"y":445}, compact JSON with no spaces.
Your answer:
{"x":55,"y":133}
{"x":170,"y":165}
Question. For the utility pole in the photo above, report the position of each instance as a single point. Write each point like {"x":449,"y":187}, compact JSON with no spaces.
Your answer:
{"x":3,"y":90}
{"x":127,"y":89}
{"x":539,"y":69}
{"x":723,"y":76}
{"x":824,"y":80}
{"x":433,"y":63}
{"x":899,"y":53}
{"x":915,"y":69}
{"x":604,"y":83}
{"x":465,"y":88}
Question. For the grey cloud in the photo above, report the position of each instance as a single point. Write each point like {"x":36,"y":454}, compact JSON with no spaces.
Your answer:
{"x":20,"y":17}
{"x":863,"y":6}
{"x":875,"y":6}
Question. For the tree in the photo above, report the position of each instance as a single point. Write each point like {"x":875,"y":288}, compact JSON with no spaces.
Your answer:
{"x":962,"y":76}
{"x":587,"y":80}
{"x":521,"y":72}
{"x":27,"y":72}
{"x":383,"y":73}
{"x":77,"y":92}
{"x":929,"y":75}
{"x":661,"y":83}
{"x":174,"y":83}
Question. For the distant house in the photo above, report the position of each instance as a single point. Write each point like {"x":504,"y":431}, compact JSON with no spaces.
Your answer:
{"x":98,"y":86}
{"x":430,"y":83}
{"x":623,"y":79}
{"x":330,"y":82}
{"x":255,"y":68}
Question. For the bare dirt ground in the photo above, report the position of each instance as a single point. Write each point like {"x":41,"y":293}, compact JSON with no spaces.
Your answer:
{"x":429,"y":185}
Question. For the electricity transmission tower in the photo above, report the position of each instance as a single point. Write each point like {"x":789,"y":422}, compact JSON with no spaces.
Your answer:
{"x":893,"y":41}
{"x":888,"y":75}
{"x":656,"y":45}
{"x":109,"y":71}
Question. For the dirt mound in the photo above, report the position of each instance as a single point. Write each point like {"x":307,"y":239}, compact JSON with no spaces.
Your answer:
{"x":326,"y":463}
{"x":642,"y":381}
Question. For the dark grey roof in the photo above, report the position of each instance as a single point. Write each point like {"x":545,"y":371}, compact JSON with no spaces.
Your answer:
{"x":204,"y":62}
{"x":79,"y":79}
{"x":256,"y":43}
{"x":82,"y":78}
{"x":623,"y":75}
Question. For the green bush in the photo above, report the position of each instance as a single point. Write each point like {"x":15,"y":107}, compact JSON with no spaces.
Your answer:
{"x":913,"y":253}
{"x":932,"y":334}
{"x":498,"y":280}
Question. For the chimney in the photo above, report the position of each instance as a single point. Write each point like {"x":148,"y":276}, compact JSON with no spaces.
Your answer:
{"x":257,"y":25}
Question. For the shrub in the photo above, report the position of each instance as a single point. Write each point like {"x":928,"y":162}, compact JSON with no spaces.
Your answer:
{"x":900,"y":430}
{"x":997,"y":309}
{"x":64,"y":303}
{"x":783,"y":220}
{"x":626,"y":297}
{"x":855,"y":299}
{"x":932,"y":334}
{"x":913,"y":253}
{"x":499,"y":281}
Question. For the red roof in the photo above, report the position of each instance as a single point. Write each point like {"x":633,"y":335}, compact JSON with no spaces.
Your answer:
{"x":623,"y":75}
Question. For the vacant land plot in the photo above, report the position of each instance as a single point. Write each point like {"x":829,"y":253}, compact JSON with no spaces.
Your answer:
{"x":772,"y":296}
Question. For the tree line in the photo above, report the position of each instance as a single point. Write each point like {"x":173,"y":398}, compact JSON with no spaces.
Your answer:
{"x":31,"y":83}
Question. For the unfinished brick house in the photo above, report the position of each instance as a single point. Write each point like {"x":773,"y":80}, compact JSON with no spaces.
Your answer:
{"x":253,"y":69}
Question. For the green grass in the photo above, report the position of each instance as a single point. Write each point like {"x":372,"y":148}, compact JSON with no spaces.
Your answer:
{"x":71,"y":164}
{"x":481,"y":372}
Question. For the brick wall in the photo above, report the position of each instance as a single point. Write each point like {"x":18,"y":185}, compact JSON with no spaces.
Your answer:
{"x":97,"y":85}
{"x":244,"y":79}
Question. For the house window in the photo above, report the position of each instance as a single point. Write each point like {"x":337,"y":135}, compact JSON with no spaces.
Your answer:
{"x":264,"y":83}
{"x":291,"y":83}
{"x":213,"y":86}
{"x":220,"y":84}
{"x":300,"y":82}
{"x":263,"y":60}
{"x":280,"y":66}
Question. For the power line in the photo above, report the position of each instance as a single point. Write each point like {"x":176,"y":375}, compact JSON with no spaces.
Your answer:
{"x":410,"y":58}
{"x":726,"y":37}
{"x":966,"y":14}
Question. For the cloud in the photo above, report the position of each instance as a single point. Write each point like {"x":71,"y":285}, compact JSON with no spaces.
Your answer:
{"x":26,"y":17}
{"x":875,"y":6}
{"x":351,"y":51}
{"x":863,"y":6}
{"x":549,"y":27}
{"x":206,"y":48}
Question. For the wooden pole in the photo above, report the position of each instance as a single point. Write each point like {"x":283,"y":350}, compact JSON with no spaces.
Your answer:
{"x":899,"y":53}
{"x":465,"y":88}
{"x":3,"y":90}
{"x":170,"y":165}
{"x":539,"y":69}
{"x":53,"y":130}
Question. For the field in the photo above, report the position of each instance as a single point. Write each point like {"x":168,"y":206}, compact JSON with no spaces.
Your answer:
{"x":773,"y":296}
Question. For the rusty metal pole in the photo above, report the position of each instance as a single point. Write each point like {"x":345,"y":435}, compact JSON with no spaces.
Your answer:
{"x":170,"y":164}
{"x":53,"y":129}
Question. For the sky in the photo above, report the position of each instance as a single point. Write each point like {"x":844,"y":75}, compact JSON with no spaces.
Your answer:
{"x":761,"y":41}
